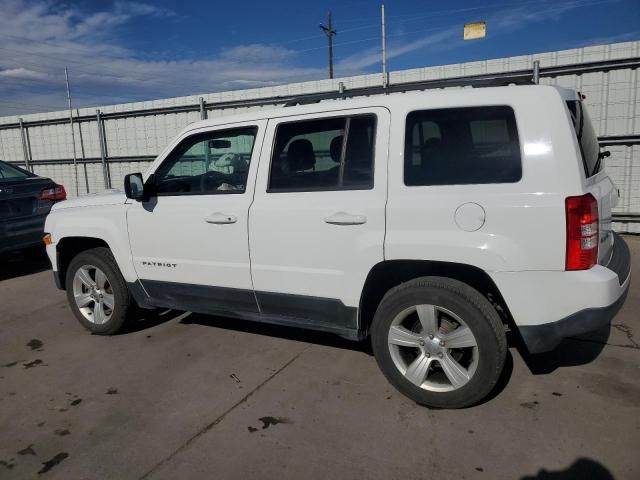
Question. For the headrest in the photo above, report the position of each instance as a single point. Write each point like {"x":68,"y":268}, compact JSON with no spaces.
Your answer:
{"x":432,"y":142}
{"x":335,"y":149}
{"x":300,"y":156}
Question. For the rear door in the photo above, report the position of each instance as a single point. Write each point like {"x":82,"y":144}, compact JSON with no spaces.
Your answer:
{"x":317,"y":223}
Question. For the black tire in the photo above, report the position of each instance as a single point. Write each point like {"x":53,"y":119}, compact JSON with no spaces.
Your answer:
{"x":475,"y":310}
{"x":101,"y":258}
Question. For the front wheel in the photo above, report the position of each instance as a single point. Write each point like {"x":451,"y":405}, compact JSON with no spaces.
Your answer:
{"x":97,"y":292}
{"x":439,"y":342}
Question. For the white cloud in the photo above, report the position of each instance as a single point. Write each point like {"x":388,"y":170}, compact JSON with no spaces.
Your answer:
{"x":23,"y":73}
{"x":372,"y":56}
{"x":38,"y":38}
{"x":257,"y":52}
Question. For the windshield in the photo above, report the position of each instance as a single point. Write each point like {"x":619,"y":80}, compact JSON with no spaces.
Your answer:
{"x":8,"y":171}
{"x":587,"y":138}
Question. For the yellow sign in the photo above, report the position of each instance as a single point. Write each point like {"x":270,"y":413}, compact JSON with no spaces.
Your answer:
{"x":475,"y":30}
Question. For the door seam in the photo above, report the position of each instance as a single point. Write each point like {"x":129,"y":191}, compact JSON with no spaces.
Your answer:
{"x":253,"y":199}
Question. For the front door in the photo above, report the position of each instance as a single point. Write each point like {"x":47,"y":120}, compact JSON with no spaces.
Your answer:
{"x":189,"y":241}
{"x":317,"y":223}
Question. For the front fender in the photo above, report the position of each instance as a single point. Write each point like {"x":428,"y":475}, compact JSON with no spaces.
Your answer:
{"x":104,"y":222}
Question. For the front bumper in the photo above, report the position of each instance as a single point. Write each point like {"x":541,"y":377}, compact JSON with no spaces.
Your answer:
{"x":550,"y":306}
{"x":57,"y":278}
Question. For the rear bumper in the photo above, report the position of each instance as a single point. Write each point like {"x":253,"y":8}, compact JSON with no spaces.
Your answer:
{"x":550,"y":306}
{"x":21,"y":232}
{"x":546,"y":337}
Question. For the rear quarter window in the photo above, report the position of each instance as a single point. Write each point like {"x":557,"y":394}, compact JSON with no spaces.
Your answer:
{"x":461,"y":146}
{"x":587,"y":137}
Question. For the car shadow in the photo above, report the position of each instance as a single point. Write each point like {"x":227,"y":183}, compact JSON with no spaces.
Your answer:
{"x":571,"y":352}
{"x":145,"y":319}
{"x":23,"y":262}
{"x":280,"y":331}
{"x":581,"y":468}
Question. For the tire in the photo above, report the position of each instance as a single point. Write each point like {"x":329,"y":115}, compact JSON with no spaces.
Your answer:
{"x":419,"y":365}
{"x":110,"y":290}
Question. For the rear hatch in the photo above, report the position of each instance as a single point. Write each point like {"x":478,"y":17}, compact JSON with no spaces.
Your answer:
{"x":20,"y":197}
{"x":599,"y":184}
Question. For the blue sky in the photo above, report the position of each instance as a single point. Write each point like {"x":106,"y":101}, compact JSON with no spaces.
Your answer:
{"x":122,"y":51}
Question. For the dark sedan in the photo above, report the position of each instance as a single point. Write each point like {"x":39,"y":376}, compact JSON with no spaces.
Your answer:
{"x":25,"y":201}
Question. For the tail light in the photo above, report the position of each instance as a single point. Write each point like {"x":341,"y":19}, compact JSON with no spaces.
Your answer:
{"x":55,"y":193}
{"x":582,"y":232}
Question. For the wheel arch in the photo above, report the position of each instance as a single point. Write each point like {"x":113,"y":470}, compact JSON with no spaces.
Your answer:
{"x":69,"y":247}
{"x":390,"y":273}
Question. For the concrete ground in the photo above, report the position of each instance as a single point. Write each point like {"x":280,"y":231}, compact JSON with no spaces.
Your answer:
{"x":192,"y":396}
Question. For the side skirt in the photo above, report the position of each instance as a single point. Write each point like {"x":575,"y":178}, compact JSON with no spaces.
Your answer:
{"x":313,"y":313}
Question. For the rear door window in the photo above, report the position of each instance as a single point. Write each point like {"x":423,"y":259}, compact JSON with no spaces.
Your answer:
{"x":587,"y":137}
{"x":460,"y":146}
{"x":324,"y":154}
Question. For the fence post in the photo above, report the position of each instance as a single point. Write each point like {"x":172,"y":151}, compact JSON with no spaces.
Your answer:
{"x":203,"y":112}
{"x":25,"y":146}
{"x":103,"y":151}
{"x":536,"y":72}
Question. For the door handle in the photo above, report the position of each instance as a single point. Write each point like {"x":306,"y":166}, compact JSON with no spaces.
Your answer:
{"x":343,"y":218}
{"x":220,"y":218}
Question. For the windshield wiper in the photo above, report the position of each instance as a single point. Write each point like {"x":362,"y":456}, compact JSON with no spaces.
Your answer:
{"x":601,"y":155}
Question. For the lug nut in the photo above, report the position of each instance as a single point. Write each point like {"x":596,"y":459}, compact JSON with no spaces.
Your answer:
{"x":421,"y":342}
{"x":428,"y":355}
{"x":442,"y":343}
{"x":430,"y":336}
{"x":440,"y":355}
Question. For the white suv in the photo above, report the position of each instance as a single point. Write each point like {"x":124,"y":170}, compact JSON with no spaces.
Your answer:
{"x":426,"y":221}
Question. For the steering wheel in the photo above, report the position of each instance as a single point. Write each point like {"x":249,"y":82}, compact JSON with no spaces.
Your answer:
{"x":211,"y":180}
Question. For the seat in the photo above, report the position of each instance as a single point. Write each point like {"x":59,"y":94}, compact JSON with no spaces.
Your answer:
{"x":300,"y":156}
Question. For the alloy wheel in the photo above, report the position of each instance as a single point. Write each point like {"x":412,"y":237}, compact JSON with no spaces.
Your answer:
{"x":93,"y":294}
{"x":433,"y":348}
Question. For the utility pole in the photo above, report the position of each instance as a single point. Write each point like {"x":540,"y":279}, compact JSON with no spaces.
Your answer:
{"x":330,"y":32}
{"x":73,"y":135}
{"x":385,"y":75}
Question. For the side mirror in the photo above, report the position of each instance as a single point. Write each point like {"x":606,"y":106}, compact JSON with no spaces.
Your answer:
{"x":134,"y":186}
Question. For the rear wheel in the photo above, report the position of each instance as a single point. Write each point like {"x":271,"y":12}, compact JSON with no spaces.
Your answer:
{"x":97,"y":292}
{"x":439,"y":342}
